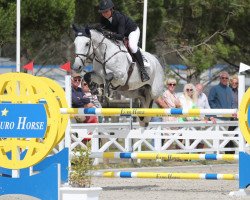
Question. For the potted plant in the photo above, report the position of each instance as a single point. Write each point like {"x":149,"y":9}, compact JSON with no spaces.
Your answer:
{"x":79,"y":177}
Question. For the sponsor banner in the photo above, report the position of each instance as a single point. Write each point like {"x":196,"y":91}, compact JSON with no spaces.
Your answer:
{"x":22,"y":120}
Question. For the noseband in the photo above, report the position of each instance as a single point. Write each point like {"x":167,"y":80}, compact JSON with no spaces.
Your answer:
{"x":89,"y":57}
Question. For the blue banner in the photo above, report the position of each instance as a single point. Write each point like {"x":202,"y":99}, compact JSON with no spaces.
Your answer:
{"x":22,"y":120}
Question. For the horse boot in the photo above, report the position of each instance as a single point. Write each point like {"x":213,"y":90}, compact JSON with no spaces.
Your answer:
{"x":138,"y":57}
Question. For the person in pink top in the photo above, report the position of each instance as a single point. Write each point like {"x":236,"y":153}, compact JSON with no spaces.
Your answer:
{"x":170,"y":98}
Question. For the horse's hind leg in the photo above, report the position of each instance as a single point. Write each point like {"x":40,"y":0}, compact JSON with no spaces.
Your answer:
{"x":146,"y":102}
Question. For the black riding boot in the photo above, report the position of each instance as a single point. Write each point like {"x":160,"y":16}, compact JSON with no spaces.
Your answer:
{"x":139,"y":59}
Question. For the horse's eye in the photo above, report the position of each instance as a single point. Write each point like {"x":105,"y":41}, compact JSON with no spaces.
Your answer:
{"x":87,"y":44}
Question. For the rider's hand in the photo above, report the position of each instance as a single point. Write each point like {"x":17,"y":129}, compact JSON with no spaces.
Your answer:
{"x":108,"y":34}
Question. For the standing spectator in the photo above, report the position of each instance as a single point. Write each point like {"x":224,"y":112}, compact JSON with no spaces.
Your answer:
{"x":202,"y":101}
{"x":221,"y":96}
{"x":188,"y":100}
{"x":189,"y":97}
{"x":171,"y":101}
{"x":234,"y":86}
{"x":170,"y":98}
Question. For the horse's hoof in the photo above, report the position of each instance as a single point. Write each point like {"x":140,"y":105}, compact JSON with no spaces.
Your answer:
{"x":109,"y":77}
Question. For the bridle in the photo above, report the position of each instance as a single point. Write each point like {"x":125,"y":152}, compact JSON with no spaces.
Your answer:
{"x":89,"y":57}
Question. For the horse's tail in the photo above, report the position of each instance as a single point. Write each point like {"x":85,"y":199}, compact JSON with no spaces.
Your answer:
{"x":159,"y":79}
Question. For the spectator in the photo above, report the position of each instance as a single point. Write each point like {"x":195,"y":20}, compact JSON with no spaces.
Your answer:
{"x":88,"y":94}
{"x":234,"y":86}
{"x":170,"y":98}
{"x":189,"y":97}
{"x":221,"y":96}
{"x":189,"y":100}
{"x":78,"y":100}
{"x":93,"y":99}
{"x":171,"y":101}
{"x":202,"y":101}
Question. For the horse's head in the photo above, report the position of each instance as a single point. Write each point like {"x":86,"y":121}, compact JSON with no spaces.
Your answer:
{"x":83,"y":48}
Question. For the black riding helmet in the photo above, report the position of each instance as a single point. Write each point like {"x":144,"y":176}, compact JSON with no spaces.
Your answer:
{"x":105,"y":5}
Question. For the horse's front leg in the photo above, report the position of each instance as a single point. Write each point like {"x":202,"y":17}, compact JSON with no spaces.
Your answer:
{"x":144,"y":121}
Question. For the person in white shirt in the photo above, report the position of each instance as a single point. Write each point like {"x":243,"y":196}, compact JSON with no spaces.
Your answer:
{"x":202,"y":101}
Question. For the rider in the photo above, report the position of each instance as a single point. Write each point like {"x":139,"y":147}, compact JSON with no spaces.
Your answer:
{"x":122,"y":26}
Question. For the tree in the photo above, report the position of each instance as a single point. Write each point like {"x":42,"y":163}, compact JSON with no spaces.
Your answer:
{"x":44,"y":28}
{"x":7,"y":23}
{"x":202,"y":33}
{"x":45,"y":23}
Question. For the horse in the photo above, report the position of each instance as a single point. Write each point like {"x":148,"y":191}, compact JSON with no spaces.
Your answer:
{"x":92,"y":46}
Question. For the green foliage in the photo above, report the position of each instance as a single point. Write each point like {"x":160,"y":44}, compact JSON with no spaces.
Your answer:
{"x":7,"y":22}
{"x":205,"y":32}
{"x":81,"y":164}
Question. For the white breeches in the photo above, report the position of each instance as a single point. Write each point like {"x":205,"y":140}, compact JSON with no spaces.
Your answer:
{"x":133,"y":40}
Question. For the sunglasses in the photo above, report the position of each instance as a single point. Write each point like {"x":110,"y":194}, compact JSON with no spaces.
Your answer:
{"x":224,"y":78}
{"x":84,"y":84}
{"x":77,"y":80}
{"x":189,"y":90}
{"x":172,"y":84}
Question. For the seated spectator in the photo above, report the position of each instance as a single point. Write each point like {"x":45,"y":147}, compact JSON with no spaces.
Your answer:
{"x":93,"y":99}
{"x":88,"y":94}
{"x":78,"y":99}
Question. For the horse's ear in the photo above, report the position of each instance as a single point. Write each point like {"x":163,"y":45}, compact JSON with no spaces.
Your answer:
{"x":87,"y":31}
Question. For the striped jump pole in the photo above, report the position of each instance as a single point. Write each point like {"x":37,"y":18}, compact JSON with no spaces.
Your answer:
{"x":164,"y":156}
{"x":150,"y":112}
{"x":165,"y":175}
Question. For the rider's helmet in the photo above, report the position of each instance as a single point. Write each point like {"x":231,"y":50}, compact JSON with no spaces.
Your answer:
{"x":105,"y":5}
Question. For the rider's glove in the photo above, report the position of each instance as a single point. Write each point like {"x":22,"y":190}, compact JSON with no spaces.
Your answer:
{"x":111,"y":35}
{"x":108,"y":34}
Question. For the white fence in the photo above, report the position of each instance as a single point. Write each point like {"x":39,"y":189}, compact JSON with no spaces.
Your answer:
{"x":173,"y":137}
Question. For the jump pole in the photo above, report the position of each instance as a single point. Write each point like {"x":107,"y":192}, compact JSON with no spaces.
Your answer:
{"x":164,"y":156}
{"x":165,"y":175}
{"x":149,"y":112}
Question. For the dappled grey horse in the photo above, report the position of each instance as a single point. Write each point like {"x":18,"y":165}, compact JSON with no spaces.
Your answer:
{"x":106,"y":55}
